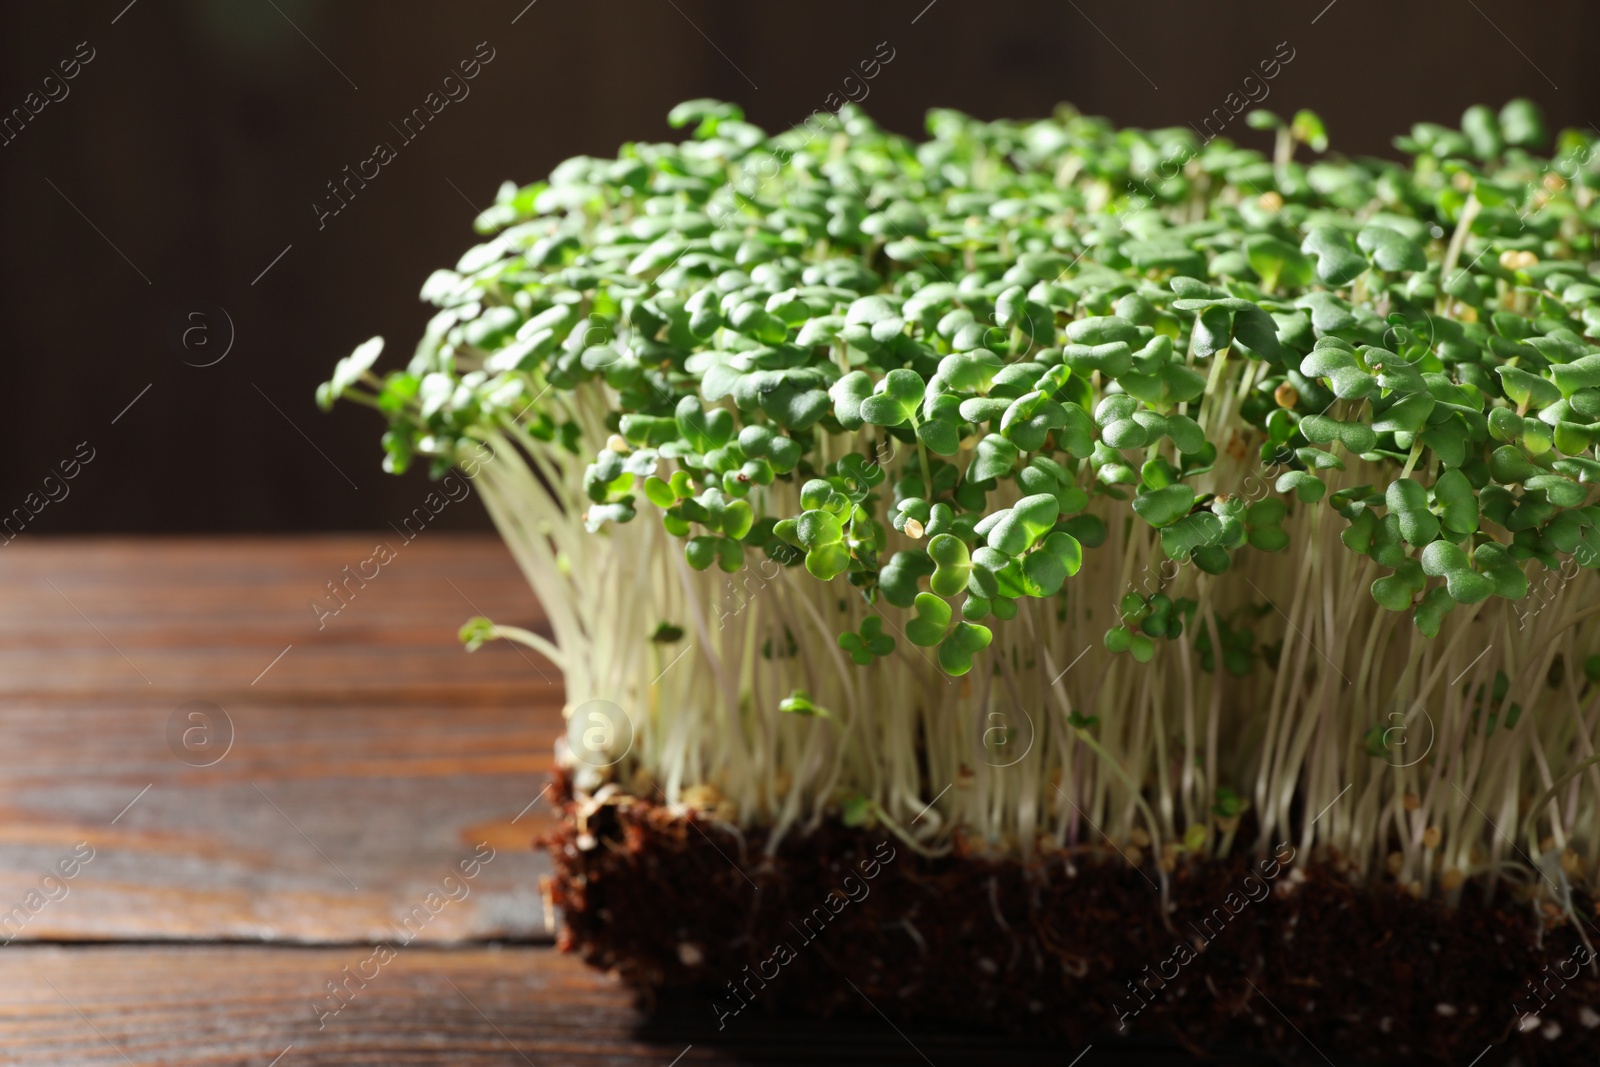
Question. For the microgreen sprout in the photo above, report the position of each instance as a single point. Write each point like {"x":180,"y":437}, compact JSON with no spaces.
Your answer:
{"x":948,"y":399}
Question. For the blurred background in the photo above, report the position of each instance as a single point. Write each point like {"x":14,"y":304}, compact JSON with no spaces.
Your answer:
{"x":172,"y":296}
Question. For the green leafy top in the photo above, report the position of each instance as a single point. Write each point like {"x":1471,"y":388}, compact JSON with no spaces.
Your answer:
{"x":937,"y":369}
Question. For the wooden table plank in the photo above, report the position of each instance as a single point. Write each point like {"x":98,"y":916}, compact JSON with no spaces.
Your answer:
{"x":179,"y":617}
{"x":363,"y":768}
{"x":340,"y":804}
{"x":245,"y":1005}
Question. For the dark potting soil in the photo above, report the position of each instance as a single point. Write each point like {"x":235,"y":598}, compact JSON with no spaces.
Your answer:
{"x":1275,"y":954}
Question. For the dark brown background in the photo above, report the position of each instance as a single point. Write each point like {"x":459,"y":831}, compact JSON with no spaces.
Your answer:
{"x":198,"y":137}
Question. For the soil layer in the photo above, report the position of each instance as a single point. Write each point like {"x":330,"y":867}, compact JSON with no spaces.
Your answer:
{"x":1277,"y":954}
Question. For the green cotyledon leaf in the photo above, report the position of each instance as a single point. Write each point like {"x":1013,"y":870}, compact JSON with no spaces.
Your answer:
{"x":995,"y":457}
{"x":958,"y":367}
{"x":965,"y":642}
{"x":898,"y":578}
{"x":1408,"y":501}
{"x":1015,"y":529}
{"x":1278,"y":262}
{"x":895,"y":399}
{"x":1458,"y":503}
{"x":931,"y":623}
{"x":1357,"y":437}
{"x":1163,"y":507}
{"x":1389,"y":249}
{"x":1338,"y":263}
{"x":952,"y":564}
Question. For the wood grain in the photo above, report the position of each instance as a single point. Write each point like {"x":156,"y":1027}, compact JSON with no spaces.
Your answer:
{"x":245,"y":1005}
{"x":179,"y":617}
{"x":364,"y":767}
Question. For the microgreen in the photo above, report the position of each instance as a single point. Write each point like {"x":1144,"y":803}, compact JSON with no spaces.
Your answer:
{"x":871,"y":643}
{"x":971,"y":385}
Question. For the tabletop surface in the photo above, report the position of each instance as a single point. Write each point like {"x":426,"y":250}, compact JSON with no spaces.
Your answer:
{"x":258,"y":768}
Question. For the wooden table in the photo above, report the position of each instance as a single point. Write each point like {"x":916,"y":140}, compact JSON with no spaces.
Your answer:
{"x":265,"y":791}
